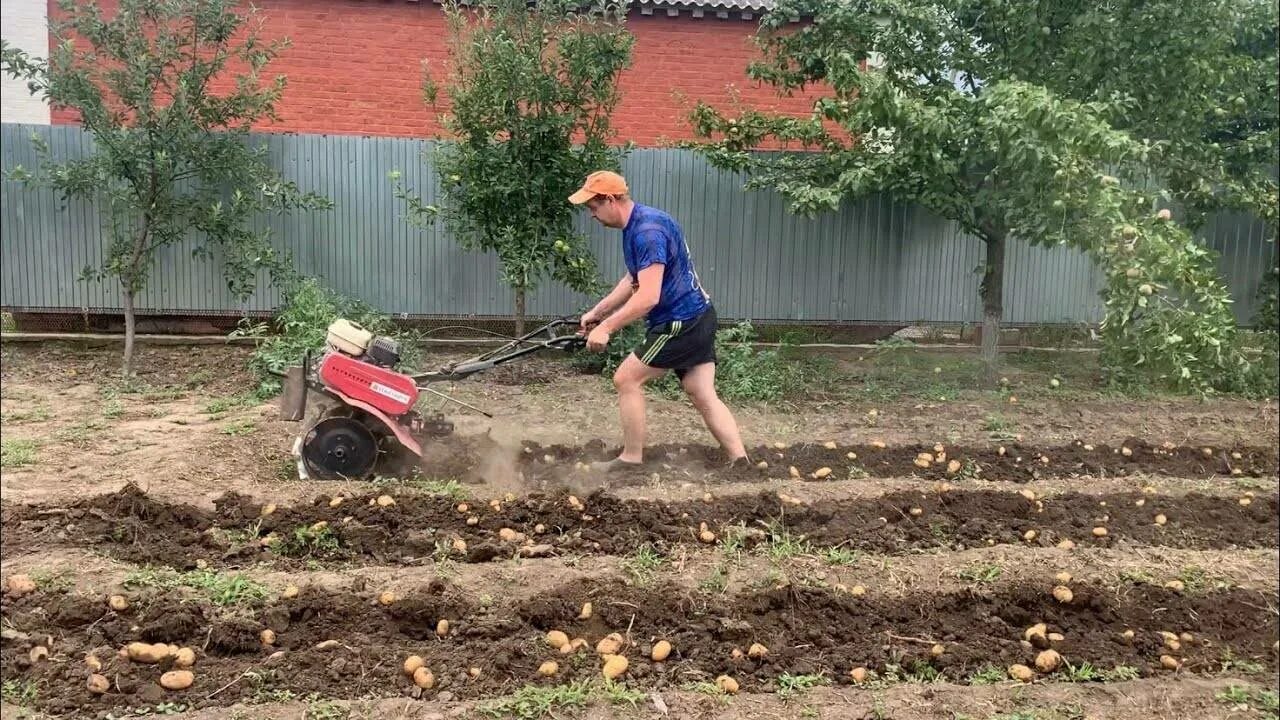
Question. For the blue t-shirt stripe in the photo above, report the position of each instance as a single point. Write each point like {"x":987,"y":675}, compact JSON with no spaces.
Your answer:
{"x":652,"y":237}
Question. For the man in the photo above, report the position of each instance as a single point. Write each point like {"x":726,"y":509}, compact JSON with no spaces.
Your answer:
{"x":661,"y":285}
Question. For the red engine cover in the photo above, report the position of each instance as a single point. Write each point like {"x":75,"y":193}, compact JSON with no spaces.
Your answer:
{"x":389,"y":391}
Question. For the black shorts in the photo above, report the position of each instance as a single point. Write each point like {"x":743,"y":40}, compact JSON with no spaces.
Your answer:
{"x":681,"y":345}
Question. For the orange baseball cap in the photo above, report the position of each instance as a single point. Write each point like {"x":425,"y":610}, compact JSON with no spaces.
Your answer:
{"x":601,"y":182}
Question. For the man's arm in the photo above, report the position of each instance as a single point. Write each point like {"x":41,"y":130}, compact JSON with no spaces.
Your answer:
{"x":640,"y":302}
{"x":616,"y":297}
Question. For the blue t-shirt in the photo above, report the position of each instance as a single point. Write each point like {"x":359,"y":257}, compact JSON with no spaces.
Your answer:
{"x":652,"y":236}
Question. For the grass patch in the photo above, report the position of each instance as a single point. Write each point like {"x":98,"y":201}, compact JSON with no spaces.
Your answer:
{"x":307,"y":541}
{"x":717,"y":582}
{"x":54,"y":580}
{"x":1265,"y":702}
{"x":217,"y":406}
{"x":1121,"y":673}
{"x":39,"y":413}
{"x":533,"y":702}
{"x":220,"y":588}
{"x":325,"y":710}
{"x":17,"y":452}
{"x":21,"y":693}
{"x":642,"y":564}
{"x":80,"y":435}
{"x":429,"y":486}
{"x":790,"y":685}
{"x":1231,"y":663}
{"x":239,"y":428}
{"x":1198,"y":580}
{"x":839,"y":556}
{"x":112,"y":409}
{"x":1084,"y":672}
{"x":980,"y":573}
{"x":988,"y":675}
{"x":1135,"y":576}
{"x":780,"y":544}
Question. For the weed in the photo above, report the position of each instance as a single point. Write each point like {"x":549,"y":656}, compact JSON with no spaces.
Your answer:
{"x":710,"y":689}
{"x":1231,"y":663}
{"x":1084,"y":672}
{"x":59,"y":580}
{"x":263,"y":684}
{"x":239,"y":428}
{"x":988,"y":675}
{"x":997,"y":424}
{"x":22,"y":693}
{"x":641,"y":564}
{"x":220,"y":588}
{"x":791,"y":685}
{"x":80,"y":435}
{"x":980,"y":573}
{"x":839,"y":556}
{"x":1135,"y":576}
{"x":532,"y":702}
{"x":325,"y":710}
{"x":17,"y":452}
{"x":1120,"y":673}
{"x":1196,"y":580}
{"x":307,"y":541}
{"x":112,"y":409}
{"x":857,"y":472}
{"x":37,"y":414}
{"x":733,"y":540}
{"x":1265,"y":702}
{"x":431,"y":486}
{"x":617,"y":694}
{"x":923,"y":673}
{"x":781,"y":545}
{"x":716,"y":582}
{"x":217,"y":406}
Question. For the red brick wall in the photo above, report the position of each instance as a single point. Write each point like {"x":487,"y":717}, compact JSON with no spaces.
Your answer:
{"x":354,"y":68}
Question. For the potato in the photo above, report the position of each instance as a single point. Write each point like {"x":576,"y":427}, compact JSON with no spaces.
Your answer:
{"x":1028,"y":494}
{"x":953,"y":467}
{"x":614,"y":666}
{"x":98,"y":684}
{"x":385,"y":501}
{"x":290,"y":591}
{"x":821,"y":472}
{"x":727,"y":685}
{"x":1100,"y":532}
{"x":1038,"y":629}
{"x":1048,"y":661}
{"x":575,"y":503}
{"x":857,"y":591}
{"x":1029,"y":535}
{"x":509,"y":535}
{"x":794,"y":471}
{"x":1187,"y":637}
{"x":610,"y":644}
{"x":1001,"y":451}
{"x":878,"y":444}
{"x":557,"y":639}
{"x":1246,"y":502}
{"x":858,"y":674}
{"x":177,"y":680}
{"x":146,"y":652}
{"x":267,"y":636}
{"x":442,"y":628}
{"x":661,"y":651}
{"x":921,"y":462}
{"x":327,"y":645}
{"x":412,"y":663}
{"x":937,"y":650}
{"x":463,"y":508}
{"x":92,"y":662}
{"x":474,"y":672}
{"x":38,"y":654}
{"x":20,"y":585}
{"x":830,"y":445}
{"x":1063,"y":577}
{"x":268,"y":509}
{"x":386,"y":597}
{"x":706,"y":536}
{"x":1126,"y":452}
{"x":1208,"y":451}
{"x":1127,"y":634}
{"x":1175,"y":585}
{"x":578,"y":643}
{"x":1021,"y":672}
{"x":1062,"y":593}
{"x":1056,"y":637}
{"x":916,"y":512}
{"x":779,"y":446}
{"x":539,"y":528}
{"x":586,"y":611}
{"x":335,"y":501}
{"x":736,"y":654}
{"x":762,"y":465}
{"x":184,"y":658}
{"x":851,"y":455}
{"x":1173,"y":644}
{"x":119,"y":603}
{"x":757,"y":651}
{"x":1169,"y":662}
{"x":423,"y":678}
{"x":548,"y":668}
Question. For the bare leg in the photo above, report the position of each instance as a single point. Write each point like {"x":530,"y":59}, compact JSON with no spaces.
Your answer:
{"x":700,"y":384}
{"x":629,"y":379}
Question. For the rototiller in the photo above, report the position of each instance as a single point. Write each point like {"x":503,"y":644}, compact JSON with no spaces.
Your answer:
{"x":358,"y":412}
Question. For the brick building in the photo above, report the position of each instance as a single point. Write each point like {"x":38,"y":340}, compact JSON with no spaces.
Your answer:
{"x":354,"y":65}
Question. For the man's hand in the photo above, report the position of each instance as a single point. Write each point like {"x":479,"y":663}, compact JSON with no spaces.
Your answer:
{"x":598,"y":340}
{"x":588,"y":320}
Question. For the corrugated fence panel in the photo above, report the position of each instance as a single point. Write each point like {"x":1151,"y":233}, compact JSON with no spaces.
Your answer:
{"x":876,"y":260}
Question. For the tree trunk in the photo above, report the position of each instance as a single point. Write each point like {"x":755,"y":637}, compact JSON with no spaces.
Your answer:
{"x":129,"y":324}
{"x":519,"y":311}
{"x":992,"y":305}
